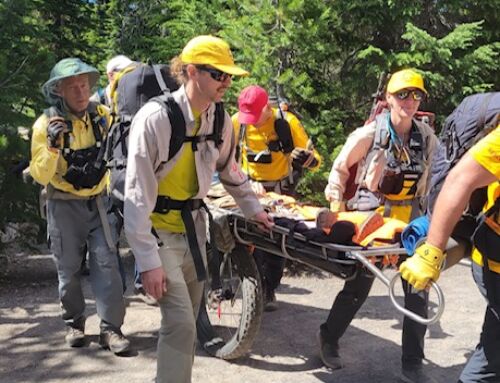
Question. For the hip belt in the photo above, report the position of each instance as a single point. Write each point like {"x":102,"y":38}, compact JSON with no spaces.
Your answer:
{"x":164,"y":204}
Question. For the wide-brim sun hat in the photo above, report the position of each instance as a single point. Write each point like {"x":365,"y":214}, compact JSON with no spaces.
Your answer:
{"x":212,"y":51}
{"x":65,"y":68}
{"x":405,"y":79}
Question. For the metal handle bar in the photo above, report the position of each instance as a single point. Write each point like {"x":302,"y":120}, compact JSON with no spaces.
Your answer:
{"x":390,"y":283}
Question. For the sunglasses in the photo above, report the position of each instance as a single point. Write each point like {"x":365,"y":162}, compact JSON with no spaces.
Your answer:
{"x":418,"y":95}
{"x":216,"y":74}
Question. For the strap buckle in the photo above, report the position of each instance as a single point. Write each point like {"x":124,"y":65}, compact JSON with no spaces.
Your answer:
{"x":162,"y":205}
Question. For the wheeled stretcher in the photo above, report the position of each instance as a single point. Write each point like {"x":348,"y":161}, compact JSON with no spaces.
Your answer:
{"x":240,"y":286}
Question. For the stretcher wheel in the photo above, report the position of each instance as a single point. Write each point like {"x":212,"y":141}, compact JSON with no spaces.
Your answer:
{"x":228,"y":325}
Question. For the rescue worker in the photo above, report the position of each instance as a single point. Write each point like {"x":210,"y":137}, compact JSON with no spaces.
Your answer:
{"x":393,"y":154}
{"x":168,"y":196}
{"x":65,"y":148}
{"x":113,"y":66}
{"x":273,"y":149}
{"x":479,"y":167}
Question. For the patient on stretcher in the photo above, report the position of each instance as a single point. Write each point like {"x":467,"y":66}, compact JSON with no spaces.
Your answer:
{"x":351,"y":228}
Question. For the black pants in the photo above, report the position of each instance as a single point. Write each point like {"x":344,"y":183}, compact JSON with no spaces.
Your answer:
{"x":271,"y":269}
{"x":352,"y":297}
{"x":484,"y":364}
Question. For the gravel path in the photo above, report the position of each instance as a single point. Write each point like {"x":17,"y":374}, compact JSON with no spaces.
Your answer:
{"x":32,"y":344}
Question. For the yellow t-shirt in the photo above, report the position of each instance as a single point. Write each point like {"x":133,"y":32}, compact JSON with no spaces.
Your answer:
{"x":257,"y":139}
{"x":180,"y":184}
{"x":487,"y":153}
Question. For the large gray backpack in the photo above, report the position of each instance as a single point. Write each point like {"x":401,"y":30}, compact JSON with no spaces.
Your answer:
{"x":471,"y":120}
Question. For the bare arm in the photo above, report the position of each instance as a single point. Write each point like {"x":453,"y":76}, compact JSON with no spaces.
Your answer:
{"x":467,"y":176}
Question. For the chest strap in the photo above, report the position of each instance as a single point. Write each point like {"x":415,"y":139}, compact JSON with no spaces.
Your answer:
{"x":163,"y":205}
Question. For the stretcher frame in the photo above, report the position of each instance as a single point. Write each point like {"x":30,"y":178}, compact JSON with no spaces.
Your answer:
{"x":342,"y":261}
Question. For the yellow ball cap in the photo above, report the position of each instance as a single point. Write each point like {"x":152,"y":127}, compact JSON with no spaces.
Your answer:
{"x":213,"y":51}
{"x":405,"y":79}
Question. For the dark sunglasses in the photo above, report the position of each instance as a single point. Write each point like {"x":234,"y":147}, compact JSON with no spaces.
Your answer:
{"x":418,"y":95}
{"x":216,"y":74}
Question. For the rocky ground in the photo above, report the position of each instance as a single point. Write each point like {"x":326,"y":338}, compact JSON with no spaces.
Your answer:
{"x":32,"y":346}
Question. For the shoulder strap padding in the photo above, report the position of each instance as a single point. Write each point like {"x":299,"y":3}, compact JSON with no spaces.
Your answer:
{"x":282,"y":129}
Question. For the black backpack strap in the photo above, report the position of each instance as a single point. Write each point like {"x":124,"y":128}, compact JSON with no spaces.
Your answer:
{"x":282,"y":129}
{"x":101,"y":143}
{"x":416,"y":143}
{"x":178,"y":124}
{"x":219,"y":118}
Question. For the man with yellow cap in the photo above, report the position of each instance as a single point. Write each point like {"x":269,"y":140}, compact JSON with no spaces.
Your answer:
{"x":167,"y":195}
{"x":393,"y":154}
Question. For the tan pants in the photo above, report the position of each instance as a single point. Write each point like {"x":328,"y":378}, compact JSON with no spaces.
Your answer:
{"x":179,"y":308}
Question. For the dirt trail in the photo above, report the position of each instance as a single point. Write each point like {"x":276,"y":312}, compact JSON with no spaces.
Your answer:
{"x":32,"y":344}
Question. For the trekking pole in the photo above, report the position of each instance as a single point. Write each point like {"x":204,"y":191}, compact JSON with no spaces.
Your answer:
{"x":390,"y":283}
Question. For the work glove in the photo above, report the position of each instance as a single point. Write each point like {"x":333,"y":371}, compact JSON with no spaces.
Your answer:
{"x":423,"y":266}
{"x":56,"y":127}
{"x":337,"y":206}
{"x":303,"y":158}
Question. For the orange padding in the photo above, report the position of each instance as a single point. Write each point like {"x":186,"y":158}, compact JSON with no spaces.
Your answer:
{"x":386,"y":229}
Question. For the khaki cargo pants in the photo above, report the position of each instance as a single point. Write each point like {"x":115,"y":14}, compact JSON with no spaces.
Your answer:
{"x":179,"y":308}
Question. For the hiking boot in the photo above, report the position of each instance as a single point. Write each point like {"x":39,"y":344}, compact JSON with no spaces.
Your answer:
{"x":75,"y":336}
{"x":114,"y":341}
{"x":270,"y":303}
{"x":146,"y":298}
{"x":329,"y":353}
{"x":415,"y":374}
{"x":372,"y":222}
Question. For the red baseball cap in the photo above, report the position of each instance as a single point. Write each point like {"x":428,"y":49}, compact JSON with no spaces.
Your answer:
{"x":251,"y":102}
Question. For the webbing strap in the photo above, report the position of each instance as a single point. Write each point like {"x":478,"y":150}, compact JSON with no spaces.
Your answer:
{"x":105,"y":222}
{"x":164,"y":205}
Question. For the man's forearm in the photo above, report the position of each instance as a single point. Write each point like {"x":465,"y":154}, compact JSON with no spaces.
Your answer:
{"x":467,"y":176}
{"x":449,"y":207}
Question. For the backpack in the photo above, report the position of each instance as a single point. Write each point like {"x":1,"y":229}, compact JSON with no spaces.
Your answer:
{"x":134,"y":87}
{"x":471,"y":120}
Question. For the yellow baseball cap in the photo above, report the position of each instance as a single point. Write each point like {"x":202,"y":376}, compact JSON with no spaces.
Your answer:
{"x":213,"y":51}
{"x":406,"y":78}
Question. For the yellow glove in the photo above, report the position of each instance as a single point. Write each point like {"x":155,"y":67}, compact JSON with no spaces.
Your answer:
{"x":423,"y":266}
{"x":337,"y":206}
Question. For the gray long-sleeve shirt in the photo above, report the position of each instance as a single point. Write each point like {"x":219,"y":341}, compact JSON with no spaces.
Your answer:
{"x":148,"y":164}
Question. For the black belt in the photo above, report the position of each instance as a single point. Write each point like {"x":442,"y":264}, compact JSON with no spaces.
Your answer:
{"x":164,"y":205}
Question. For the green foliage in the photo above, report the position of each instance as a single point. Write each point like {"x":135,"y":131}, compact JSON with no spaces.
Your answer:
{"x":19,"y":202}
{"x":325,"y":56}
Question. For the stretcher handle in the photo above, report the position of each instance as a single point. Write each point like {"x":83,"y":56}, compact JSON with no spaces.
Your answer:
{"x":411,"y":314}
{"x":390,"y":283}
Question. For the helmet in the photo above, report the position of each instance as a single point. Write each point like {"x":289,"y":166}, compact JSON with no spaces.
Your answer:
{"x":65,"y":68}
{"x":406,"y":78}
